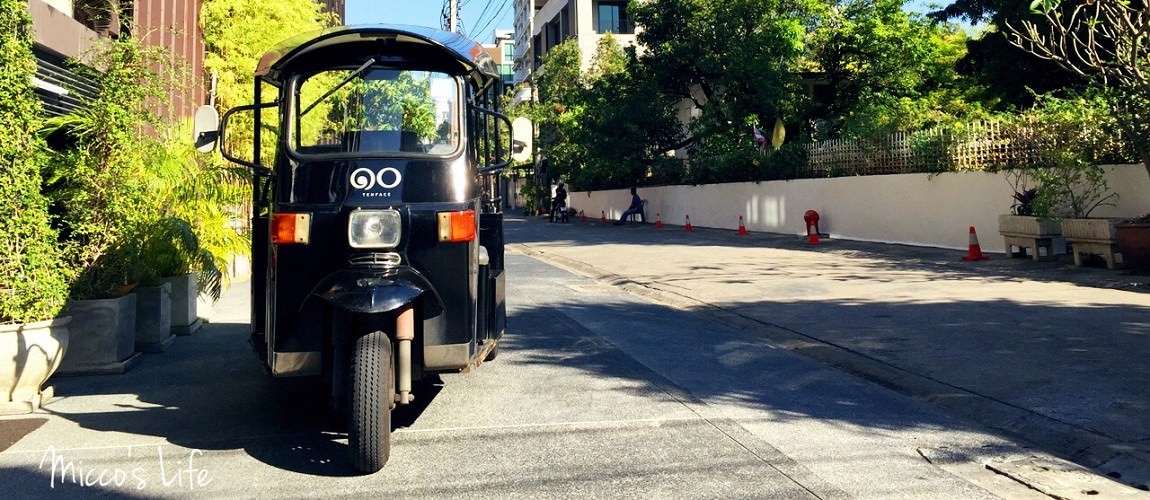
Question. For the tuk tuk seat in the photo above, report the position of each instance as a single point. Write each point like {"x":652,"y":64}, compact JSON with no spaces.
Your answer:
{"x":389,"y":141}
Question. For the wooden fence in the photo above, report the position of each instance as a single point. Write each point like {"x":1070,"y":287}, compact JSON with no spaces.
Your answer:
{"x":983,"y":145}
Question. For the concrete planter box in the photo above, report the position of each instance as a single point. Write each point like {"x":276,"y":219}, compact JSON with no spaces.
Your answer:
{"x":29,"y":354}
{"x":1094,"y":237}
{"x":1099,"y":230}
{"x":185,"y":290}
{"x":1028,"y":225}
{"x":102,"y":336}
{"x":1031,"y":233}
{"x":154,"y":318}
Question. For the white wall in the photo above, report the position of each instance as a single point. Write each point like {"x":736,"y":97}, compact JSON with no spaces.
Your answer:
{"x":918,"y":209}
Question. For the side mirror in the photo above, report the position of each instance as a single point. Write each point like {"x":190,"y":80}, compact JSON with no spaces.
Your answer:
{"x":206,"y":128}
{"x":521,"y":133}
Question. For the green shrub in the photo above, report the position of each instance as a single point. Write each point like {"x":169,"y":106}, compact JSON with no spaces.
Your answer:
{"x":100,"y":182}
{"x":1068,"y":140}
{"x":33,"y":283}
{"x":167,"y":247}
{"x":788,"y":162}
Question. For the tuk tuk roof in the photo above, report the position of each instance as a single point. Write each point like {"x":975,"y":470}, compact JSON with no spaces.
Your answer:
{"x":470,"y":54}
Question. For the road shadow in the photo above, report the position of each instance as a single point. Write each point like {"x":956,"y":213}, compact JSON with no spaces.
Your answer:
{"x":210,"y":392}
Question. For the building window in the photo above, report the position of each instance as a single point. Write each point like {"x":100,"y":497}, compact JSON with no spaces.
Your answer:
{"x":554,"y":35}
{"x":507,"y":73}
{"x":611,"y":17}
{"x":509,"y":51}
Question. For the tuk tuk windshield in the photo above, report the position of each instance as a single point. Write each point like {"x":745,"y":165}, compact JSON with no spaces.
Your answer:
{"x":377,"y":111}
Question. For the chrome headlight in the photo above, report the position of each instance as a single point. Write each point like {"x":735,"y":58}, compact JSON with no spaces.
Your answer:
{"x":373,"y":228}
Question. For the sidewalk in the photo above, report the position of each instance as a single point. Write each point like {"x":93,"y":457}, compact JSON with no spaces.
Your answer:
{"x":1046,"y":352}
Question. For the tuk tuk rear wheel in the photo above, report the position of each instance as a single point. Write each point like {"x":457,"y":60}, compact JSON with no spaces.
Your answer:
{"x":369,"y":414}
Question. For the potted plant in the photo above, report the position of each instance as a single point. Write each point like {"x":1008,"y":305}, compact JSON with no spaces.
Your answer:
{"x":173,"y":265}
{"x":1023,"y":228}
{"x":197,"y":235}
{"x":1072,"y":191}
{"x":1070,"y":139}
{"x":33,"y":279}
{"x":99,"y":184}
{"x":1133,"y":237}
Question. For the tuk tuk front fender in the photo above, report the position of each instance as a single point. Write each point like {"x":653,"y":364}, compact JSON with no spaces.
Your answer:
{"x":370,"y":291}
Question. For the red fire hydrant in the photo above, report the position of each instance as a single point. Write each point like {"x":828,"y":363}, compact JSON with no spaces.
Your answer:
{"x":812,"y":218}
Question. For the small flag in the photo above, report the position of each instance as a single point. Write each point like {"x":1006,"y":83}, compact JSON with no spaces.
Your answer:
{"x":759,"y":138}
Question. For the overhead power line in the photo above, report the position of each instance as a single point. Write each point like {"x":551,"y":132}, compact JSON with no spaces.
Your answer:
{"x":489,"y":22}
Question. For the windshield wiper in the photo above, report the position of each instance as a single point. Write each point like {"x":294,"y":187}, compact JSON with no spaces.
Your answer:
{"x":358,"y":71}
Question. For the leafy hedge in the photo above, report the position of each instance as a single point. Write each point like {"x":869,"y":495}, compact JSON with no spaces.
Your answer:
{"x":33,"y":284}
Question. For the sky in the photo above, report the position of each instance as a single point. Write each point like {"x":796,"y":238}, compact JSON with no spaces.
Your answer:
{"x":487,"y":15}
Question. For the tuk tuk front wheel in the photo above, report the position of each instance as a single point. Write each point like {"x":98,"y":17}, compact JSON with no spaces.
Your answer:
{"x":369,"y":414}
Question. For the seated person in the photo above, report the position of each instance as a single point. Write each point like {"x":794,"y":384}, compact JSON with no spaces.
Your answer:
{"x":559,"y":204}
{"x":635,"y":208}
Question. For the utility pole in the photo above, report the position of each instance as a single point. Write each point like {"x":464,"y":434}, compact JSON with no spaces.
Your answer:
{"x":453,"y":17}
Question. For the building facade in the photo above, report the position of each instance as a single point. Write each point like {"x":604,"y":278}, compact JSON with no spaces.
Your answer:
{"x":502,"y":51}
{"x":542,"y":24}
{"x":67,"y":29}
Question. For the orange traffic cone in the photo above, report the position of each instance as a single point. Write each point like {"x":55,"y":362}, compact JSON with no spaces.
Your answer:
{"x":602,"y":217}
{"x":688,"y":227}
{"x":658,"y":221}
{"x":975,"y":251}
{"x":742,"y":228}
{"x":812,"y":236}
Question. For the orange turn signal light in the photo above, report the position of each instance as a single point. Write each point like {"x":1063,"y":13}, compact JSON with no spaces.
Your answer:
{"x":291,"y":229}
{"x":457,"y":226}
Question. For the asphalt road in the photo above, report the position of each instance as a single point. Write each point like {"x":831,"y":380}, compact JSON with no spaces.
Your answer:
{"x":596,"y":393}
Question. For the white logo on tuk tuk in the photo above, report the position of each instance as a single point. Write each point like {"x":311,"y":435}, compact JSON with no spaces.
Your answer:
{"x":366,"y":179}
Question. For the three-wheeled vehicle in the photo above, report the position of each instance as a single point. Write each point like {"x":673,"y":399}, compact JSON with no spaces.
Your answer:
{"x":377,"y":235}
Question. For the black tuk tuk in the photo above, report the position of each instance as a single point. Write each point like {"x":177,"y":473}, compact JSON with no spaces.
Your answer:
{"x":377,"y":233}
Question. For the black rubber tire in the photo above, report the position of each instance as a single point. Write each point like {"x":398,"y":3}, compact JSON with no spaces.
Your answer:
{"x":492,"y":354}
{"x":369,"y":414}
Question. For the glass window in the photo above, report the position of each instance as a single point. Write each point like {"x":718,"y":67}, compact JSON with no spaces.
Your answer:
{"x":611,"y":17}
{"x":508,"y":51}
{"x":377,"y":111}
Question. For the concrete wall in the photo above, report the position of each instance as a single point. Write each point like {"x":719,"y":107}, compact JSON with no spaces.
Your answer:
{"x":172,"y":24}
{"x":916,"y":209}
{"x":56,"y":30}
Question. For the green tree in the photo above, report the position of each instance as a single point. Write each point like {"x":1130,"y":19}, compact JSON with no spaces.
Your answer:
{"x":628,"y":123}
{"x":888,"y":70}
{"x":559,"y":113}
{"x":1009,"y":79}
{"x":32,"y":277}
{"x":609,"y":58}
{"x":737,"y":61}
{"x":402,"y":103}
{"x":237,"y":33}
{"x":1103,"y":41}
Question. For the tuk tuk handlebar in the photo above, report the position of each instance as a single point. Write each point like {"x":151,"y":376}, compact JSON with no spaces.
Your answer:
{"x":223,"y":134}
{"x":498,"y":166}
